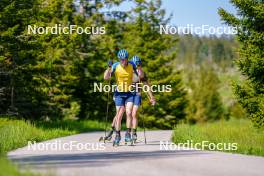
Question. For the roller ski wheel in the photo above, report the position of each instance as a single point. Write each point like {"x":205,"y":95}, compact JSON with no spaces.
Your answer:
{"x":116,"y":144}
{"x":128,"y":139}
{"x":128,"y":142}
{"x":134,"y":139}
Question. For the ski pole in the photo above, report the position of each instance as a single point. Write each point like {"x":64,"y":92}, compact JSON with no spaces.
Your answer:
{"x":107,"y":110}
{"x":145,"y":138}
{"x":143,"y":123}
{"x":107,"y":106}
{"x":144,"y":116}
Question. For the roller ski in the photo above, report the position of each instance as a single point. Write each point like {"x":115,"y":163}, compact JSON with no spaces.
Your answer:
{"x":128,"y":139}
{"x":105,"y":139}
{"x":134,"y":139}
{"x":117,"y":140}
{"x":108,"y":137}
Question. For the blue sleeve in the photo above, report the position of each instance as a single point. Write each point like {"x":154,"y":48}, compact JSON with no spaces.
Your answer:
{"x":134,"y":67}
{"x":114,"y":67}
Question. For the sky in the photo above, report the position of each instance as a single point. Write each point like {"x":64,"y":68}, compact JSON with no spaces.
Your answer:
{"x":196,"y":12}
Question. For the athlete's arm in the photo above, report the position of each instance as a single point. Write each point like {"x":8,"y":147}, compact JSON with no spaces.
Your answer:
{"x":137,"y":69}
{"x":140,"y":72}
{"x":110,"y":70}
{"x":150,"y":94}
{"x":107,"y":73}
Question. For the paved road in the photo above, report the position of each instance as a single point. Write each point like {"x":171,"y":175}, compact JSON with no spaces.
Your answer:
{"x":131,"y":160}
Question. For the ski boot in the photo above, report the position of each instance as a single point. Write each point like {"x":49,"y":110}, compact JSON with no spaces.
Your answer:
{"x":128,"y":138}
{"x":134,"y":138}
{"x":116,"y":142}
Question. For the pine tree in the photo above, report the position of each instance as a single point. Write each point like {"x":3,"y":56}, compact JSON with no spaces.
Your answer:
{"x":17,"y":55}
{"x":250,"y":22}
{"x":205,"y":103}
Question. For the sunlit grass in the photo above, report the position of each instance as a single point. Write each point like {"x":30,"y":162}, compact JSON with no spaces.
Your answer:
{"x":17,"y":133}
{"x":249,"y":140}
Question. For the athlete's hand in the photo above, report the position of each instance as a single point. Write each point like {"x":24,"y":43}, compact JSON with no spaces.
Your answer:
{"x":110,"y":63}
{"x":152,"y":101}
{"x":138,"y":63}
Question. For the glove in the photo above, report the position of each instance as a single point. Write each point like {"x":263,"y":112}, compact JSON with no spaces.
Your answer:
{"x":138,"y":63}
{"x":110,"y":63}
{"x":153,"y":101}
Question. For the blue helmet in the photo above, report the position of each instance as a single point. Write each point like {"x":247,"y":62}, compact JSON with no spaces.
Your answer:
{"x":122,"y":54}
{"x":136,"y":60}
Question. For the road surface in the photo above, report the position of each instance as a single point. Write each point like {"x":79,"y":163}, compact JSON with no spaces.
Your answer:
{"x":92,"y":158}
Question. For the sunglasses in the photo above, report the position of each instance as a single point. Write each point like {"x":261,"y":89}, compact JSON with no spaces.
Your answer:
{"x":123,"y":60}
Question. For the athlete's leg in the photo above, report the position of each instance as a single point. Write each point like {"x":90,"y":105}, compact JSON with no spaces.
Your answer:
{"x":129,"y":106}
{"x":109,"y":135}
{"x":137,"y":103}
{"x":119,"y":102}
{"x":118,"y":118}
{"x":134,"y":116}
{"x":120,"y":112}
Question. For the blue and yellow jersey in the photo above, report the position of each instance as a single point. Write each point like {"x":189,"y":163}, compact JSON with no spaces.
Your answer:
{"x":124,"y":75}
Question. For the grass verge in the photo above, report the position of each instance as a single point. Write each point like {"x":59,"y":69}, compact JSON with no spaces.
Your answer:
{"x":17,"y":133}
{"x":249,"y":140}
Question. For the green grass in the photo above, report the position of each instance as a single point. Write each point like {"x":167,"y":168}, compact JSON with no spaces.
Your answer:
{"x":227,"y":79}
{"x":9,"y":169}
{"x":17,"y":133}
{"x":249,"y":140}
{"x":73,"y":126}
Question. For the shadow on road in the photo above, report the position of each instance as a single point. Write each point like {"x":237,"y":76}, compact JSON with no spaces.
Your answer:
{"x":100,"y":159}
